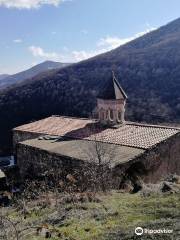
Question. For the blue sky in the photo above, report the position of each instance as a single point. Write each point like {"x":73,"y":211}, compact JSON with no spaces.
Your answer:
{"x":33,"y":31}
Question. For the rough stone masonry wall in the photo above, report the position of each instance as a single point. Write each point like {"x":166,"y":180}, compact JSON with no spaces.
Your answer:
{"x":156,"y":163}
{"x":20,"y":136}
{"x":35,"y":161}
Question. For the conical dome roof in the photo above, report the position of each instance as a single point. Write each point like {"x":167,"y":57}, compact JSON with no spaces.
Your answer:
{"x":112,"y":90}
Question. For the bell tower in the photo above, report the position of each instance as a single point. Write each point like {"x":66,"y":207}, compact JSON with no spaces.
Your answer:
{"x":111,"y":103}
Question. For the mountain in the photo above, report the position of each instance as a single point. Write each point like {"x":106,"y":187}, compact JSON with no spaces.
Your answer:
{"x":42,"y":67}
{"x":148,"y":69}
{"x":2,"y":76}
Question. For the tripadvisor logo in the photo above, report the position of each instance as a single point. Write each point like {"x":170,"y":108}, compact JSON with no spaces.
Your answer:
{"x":139,"y":231}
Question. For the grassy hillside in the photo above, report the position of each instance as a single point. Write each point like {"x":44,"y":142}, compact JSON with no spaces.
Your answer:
{"x":147,"y":68}
{"x":107,"y":216}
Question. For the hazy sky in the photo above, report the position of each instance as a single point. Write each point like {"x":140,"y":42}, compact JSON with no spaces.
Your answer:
{"x":32,"y":31}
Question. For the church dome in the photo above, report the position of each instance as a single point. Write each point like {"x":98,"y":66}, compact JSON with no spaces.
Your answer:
{"x":111,"y":103}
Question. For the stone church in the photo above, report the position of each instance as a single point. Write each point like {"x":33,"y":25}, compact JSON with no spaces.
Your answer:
{"x":151,"y":151}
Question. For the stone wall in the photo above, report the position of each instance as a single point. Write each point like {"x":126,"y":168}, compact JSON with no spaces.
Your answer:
{"x":36,"y":161}
{"x":155,"y":163}
{"x":19,"y":136}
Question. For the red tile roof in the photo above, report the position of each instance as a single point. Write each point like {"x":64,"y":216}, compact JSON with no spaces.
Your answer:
{"x":129,"y":134}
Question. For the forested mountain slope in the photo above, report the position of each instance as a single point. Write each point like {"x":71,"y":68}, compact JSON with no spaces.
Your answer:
{"x":29,"y":73}
{"x":2,"y":76}
{"x":148,"y":69}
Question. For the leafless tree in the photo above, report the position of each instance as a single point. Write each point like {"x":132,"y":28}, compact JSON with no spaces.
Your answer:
{"x":96,"y":172}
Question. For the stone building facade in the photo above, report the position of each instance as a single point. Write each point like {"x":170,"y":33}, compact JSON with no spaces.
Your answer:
{"x":149,"y":151}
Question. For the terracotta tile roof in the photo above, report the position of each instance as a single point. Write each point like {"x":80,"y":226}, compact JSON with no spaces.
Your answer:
{"x":130,"y":134}
{"x":55,"y":125}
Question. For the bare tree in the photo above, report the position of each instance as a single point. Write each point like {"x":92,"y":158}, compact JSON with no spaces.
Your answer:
{"x":96,"y":172}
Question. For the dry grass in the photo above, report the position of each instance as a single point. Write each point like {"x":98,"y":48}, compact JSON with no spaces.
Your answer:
{"x":104,"y":216}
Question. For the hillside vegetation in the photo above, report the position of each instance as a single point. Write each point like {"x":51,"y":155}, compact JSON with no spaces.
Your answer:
{"x":107,"y":216}
{"x":148,"y":69}
{"x":2,"y":76}
{"x":7,"y":80}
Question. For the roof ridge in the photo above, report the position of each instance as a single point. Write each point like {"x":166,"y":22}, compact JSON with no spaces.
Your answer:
{"x":119,"y":86}
{"x":73,"y":117}
{"x":151,"y":125}
{"x":111,"y":89}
